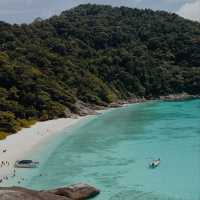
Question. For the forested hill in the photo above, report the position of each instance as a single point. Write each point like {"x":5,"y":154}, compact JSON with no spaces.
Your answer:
{"x":96,"y":54}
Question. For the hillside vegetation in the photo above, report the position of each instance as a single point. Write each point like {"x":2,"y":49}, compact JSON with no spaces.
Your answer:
{"x":95,"y":54}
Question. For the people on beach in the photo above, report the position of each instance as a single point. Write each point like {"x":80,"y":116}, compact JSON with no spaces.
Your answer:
{"x":4,"y":163}
{"x":4,"y":178}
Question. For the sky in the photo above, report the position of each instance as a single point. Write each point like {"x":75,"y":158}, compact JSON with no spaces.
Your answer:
{"x":25,"y":11}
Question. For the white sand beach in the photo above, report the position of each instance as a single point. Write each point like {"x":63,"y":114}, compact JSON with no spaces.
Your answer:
{"x":16,"y":146}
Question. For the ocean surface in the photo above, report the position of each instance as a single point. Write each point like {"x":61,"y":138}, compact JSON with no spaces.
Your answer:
{"x":112,"y":151}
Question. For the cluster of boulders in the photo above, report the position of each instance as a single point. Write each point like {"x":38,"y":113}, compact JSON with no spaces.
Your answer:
{"x":74,"y":192}
{"x":82,"y":109}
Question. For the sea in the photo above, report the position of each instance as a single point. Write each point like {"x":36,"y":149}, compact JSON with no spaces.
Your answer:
{"x":112,"y":152}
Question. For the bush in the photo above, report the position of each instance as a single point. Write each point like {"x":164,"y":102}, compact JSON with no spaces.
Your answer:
{"x":3,"y":135}
{"x":8,"y":122}
{"x":26,"y":123}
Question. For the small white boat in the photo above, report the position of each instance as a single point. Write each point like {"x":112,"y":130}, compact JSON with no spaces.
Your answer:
{"x":26,"y":164}
{"x":154,"y":163}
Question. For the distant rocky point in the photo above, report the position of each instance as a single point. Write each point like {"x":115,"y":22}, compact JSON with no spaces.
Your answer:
{"x":178,"y":97}
{"x":74,"y":192}
{"x":170,"y":97}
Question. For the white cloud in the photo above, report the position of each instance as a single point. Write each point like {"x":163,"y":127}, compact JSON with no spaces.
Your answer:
{"x":190,"y":10}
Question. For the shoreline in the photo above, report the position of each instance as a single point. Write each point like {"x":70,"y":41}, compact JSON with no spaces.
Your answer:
{"x":17,"y":146}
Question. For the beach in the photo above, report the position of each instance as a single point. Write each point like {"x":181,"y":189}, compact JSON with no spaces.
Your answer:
{"x":16,"y":146}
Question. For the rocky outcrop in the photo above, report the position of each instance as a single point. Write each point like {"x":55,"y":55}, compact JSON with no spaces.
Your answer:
{"x":16,"y":193}
{"x":84,"y":109}
{"x":74,"y":192}
{"x":77,"y":192}
{"x":68,"y":112}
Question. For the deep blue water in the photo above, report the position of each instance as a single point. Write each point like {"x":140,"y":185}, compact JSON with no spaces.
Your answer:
{"x":112,"y":151}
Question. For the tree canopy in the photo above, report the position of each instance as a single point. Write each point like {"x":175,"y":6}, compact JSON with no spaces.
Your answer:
{"x":95,"y":54}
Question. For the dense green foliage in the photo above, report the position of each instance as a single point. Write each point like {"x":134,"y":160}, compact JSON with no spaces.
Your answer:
{"x":3,"y":135}
{"x":95,"y":54}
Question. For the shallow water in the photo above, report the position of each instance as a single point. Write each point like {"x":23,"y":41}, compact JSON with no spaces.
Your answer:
{"x":112,"y":152}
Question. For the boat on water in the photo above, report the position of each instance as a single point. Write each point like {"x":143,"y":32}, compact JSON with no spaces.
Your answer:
{"x":26,"y":164}
{"x":154,"y":163}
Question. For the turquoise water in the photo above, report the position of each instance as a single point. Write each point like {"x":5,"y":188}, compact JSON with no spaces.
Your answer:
{"x":112,"y":151}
